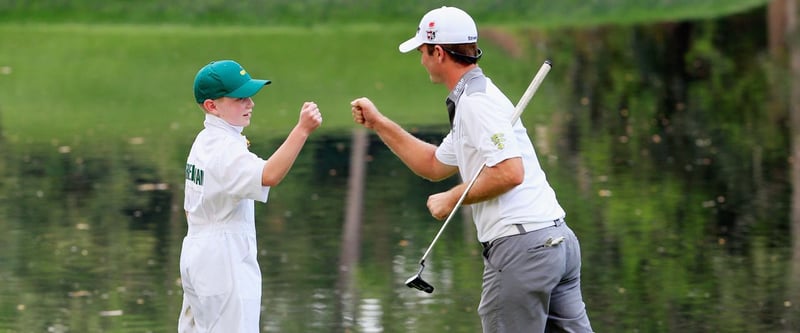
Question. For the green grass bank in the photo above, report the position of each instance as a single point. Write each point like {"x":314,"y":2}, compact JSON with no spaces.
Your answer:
{"x":536,"y":13}
{"x":69,"y":83}
{"x":65,"y":78}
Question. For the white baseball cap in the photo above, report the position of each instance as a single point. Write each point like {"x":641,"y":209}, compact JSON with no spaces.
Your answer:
{"x":446,"y":25}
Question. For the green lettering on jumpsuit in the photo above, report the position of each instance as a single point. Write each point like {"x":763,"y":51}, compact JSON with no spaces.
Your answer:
{"x":194,"y":174}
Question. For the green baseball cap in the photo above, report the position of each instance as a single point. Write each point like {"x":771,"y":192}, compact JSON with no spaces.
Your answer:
{"x":225,"y":78}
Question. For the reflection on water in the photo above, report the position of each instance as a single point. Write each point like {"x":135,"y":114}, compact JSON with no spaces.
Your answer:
{"x":370,"y":313}
{"x":85,"y":249}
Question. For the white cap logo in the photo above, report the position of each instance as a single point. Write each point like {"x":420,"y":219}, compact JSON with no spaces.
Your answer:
{"x":431,"y":31}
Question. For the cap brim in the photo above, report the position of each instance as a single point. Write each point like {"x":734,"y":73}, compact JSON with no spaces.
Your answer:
{"x":410,"y":45}
{"x":249,"y":89}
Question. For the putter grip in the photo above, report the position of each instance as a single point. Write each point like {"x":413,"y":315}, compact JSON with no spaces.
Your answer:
{"x":532,"y":87}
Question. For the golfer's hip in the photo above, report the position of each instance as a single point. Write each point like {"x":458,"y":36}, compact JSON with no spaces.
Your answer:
{"x":521,"y":229}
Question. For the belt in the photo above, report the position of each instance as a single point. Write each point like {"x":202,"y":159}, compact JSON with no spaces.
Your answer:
{"x":220,"y":227}
{"x":524,"y":228}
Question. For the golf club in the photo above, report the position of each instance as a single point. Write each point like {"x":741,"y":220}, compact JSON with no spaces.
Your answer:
{"x":416,"y":281}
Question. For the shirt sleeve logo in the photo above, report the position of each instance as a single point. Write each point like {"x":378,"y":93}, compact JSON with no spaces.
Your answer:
{"x":499,"y":140}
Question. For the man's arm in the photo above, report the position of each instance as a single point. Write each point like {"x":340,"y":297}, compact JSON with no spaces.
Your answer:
{"x":418,"y":155}
{"x":491,"y":183}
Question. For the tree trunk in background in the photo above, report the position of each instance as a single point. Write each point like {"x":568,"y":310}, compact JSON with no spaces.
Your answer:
{"x":777,"y":27}
{"x":793,"y":46}
{"x":351,"y":232}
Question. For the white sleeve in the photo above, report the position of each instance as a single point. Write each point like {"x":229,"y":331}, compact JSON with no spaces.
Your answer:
{"x":242,"y":174}
{"x":490,"y":129}
{"x":445,"y":153}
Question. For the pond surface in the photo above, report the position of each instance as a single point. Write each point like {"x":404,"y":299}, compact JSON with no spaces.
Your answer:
{"x":91,"y":242}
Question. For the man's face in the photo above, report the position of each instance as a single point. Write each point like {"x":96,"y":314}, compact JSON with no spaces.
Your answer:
{"x":236,"y":111}
{"x":432,"y":62}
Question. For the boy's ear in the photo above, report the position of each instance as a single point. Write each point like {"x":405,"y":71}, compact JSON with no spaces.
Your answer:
{"x":210,"y":106}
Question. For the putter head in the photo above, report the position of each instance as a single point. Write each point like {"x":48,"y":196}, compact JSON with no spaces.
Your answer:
{"x":417,"y":282}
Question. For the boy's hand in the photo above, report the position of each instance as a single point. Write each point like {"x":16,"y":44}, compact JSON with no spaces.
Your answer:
{"x":310,"y":117}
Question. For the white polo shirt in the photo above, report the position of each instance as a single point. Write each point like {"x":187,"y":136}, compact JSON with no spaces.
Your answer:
{"x":482,"y":134}
{"x":223,"y":178}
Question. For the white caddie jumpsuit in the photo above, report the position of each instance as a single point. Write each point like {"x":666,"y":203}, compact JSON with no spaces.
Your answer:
{"x":220,"y":275}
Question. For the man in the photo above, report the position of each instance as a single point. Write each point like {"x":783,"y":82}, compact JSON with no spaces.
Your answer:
{"x":219,"y":271}
{"x":531,"y":280}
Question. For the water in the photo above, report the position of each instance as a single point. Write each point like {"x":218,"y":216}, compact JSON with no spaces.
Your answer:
{"x":89,"y":245}
{"x":671,"y":173}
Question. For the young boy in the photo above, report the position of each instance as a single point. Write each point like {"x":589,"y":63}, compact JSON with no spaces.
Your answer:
{"x":219,"y":271}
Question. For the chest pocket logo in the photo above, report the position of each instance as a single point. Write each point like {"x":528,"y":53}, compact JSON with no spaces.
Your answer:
{"x":499,"y":140}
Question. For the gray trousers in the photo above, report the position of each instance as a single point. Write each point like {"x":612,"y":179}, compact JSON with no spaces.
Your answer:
{"x":529,"y":286}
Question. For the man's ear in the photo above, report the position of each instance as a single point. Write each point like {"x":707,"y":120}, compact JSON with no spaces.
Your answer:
{"x":442,"y":56}
{"x":438,"y":52}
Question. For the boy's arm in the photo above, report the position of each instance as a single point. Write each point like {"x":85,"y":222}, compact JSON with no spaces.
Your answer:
{"x":283,"y":158}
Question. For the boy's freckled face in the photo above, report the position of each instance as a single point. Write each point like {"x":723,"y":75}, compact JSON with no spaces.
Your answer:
{"x":235,"y":111}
